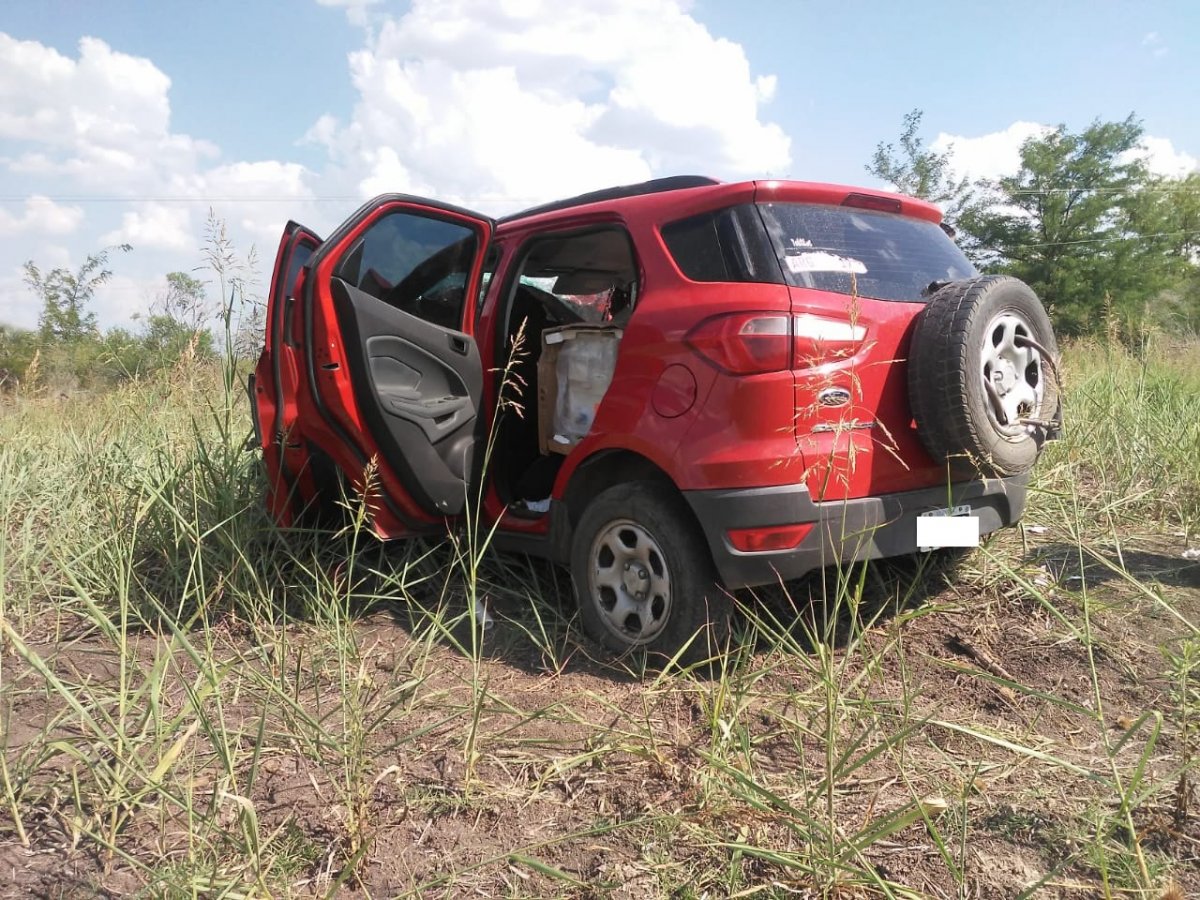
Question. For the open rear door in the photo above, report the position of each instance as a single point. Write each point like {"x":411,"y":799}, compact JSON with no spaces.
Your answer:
{"x":393,"y":369}
{"x":275,"y":381}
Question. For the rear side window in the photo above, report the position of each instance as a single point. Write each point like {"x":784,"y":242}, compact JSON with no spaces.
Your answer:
{"x":301,"y":254}
{"x":723,"y":245}
{"x":855,"y":251}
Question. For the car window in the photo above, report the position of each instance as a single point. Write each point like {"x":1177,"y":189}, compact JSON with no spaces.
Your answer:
{"x":695,"y":245}
{"x":301,"y":254}
{"x":585,"y":277}
{"x":722,"y":245}
{"x":856,"y":251}
{"x":417,"y":264}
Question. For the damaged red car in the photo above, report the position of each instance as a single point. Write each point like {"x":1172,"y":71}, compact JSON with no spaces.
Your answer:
{"x":722,"y":385}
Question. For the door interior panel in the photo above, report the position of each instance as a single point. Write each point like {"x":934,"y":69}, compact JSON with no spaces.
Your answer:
{"x":414,"y":382}
{"x":389,"y":372}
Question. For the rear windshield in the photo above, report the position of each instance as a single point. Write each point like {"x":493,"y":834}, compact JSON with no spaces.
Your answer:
{"x":856,"y":251}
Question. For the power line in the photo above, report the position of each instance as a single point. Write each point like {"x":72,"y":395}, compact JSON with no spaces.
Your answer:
{"x":66,"y":198}
{"x":1113,"y":238}
{"x":1182,"y":189}
{"x":355,"y":198}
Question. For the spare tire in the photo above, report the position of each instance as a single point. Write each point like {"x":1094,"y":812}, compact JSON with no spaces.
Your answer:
{"x":983,"y":376}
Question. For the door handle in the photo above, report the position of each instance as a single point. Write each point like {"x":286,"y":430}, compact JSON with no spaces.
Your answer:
{"x":459,"y":345}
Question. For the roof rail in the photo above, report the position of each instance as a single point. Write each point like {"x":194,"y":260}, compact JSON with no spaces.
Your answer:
{"x":653,"y":186}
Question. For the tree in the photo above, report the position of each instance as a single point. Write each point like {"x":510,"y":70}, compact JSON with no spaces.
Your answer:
{"x":17,"y":349}
{"x":1175,"y":210}
{"x":166,"y":340}
{"x":920,"y":172}
{"x":65,"y":317}
{"x":1081,"y":224}
{"x":185,"y":301}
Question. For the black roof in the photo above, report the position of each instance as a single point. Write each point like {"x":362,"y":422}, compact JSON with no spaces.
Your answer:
{"x":653,"y":186}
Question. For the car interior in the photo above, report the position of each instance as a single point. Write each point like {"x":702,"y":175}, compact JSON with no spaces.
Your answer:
{"x":575,"y":279}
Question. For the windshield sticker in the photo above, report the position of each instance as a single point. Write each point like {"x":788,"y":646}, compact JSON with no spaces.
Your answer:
{"x":820,"y":261}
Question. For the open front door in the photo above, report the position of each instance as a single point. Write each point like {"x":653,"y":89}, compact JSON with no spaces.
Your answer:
{"x":275,"y":382}
{"x":393,"y":368}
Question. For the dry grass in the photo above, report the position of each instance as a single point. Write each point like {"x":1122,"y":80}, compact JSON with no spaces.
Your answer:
{"x":195,"y":703}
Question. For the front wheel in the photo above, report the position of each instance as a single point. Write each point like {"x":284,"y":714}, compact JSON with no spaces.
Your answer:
{"x":644,"y":578}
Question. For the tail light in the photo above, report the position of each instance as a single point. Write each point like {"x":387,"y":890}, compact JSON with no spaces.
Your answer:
{"x":745,"y":343}
{"x":770,"y":537}
{"x":870,"y":201}
{"x":752,"y":343}
{"x":818,"y":340}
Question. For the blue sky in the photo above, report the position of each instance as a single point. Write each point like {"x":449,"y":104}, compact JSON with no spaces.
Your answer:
{"x":124,"y":121}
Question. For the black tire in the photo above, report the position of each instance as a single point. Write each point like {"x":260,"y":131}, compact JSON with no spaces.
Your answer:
{"x":962,"y":339}
{"x":652,"y":523}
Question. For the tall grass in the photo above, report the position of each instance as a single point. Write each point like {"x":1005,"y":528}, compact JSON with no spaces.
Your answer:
{"x":209,"y":705}
{"x":1132,"y":432}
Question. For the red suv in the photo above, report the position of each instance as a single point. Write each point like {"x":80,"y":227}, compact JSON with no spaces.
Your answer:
{"x":675,"y":388}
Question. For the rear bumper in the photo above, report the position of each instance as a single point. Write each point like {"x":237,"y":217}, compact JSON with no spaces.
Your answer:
{"x":845,"y":531}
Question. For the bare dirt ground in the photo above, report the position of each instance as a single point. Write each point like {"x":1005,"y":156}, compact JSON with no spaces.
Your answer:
{"x":974,"y":703}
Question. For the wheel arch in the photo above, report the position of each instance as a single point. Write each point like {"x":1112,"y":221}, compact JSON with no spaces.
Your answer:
{"x":604,"y":469}
{"x":600,"y":471}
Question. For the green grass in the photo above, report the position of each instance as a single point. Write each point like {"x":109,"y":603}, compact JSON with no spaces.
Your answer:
{"x":195,"y":703}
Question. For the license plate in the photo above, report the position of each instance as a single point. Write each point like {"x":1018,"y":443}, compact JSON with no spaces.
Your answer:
{"x":949,"y":527}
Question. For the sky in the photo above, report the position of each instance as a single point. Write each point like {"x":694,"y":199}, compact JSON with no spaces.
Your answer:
{"x":128,"y":122}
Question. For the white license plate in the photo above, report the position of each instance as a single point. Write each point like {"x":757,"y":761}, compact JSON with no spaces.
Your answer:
{"x":950,"y":527}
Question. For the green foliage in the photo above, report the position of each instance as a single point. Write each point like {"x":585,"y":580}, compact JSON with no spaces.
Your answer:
{"x":1081,"y":222}
{"x":68,"y":350}
{"x":1107,"y":245}
{"x":1172,"y":210}
{"x":66,"y":294}
{"x":920,"y":172}
{"x":17,"y":348}
{"x":166,"y":339}
{"x":185,"y":302}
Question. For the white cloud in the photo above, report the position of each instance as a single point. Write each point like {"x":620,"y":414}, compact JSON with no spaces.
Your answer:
{"x":99,"y":124}
{"x":356,"y":10}
{"x":124,"y":298}
{"x":1153,"y":42}
{"x":41,"y":216}
{"x":17,"y":308}
{"x":998,"y":154}
{"x":1162,"y":158}
{"x":988,"y":156}
{"x":154,"y":225}
{"x":103,"y":118}
{"x":254,"y":197}
{"x":498,"y":105}
{"x":102,"y":122}
{"x":494,"y":104}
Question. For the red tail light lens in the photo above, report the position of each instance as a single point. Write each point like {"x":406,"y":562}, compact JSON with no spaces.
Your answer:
{"x":771,"y":537}
{"x":745,"y":343}
{"x":757,"y":342}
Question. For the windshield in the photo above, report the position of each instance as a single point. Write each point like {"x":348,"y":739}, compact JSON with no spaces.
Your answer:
{"x":856,"y":251}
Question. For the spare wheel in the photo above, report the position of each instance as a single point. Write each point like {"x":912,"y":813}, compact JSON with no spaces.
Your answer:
{"x":983,"y":376}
